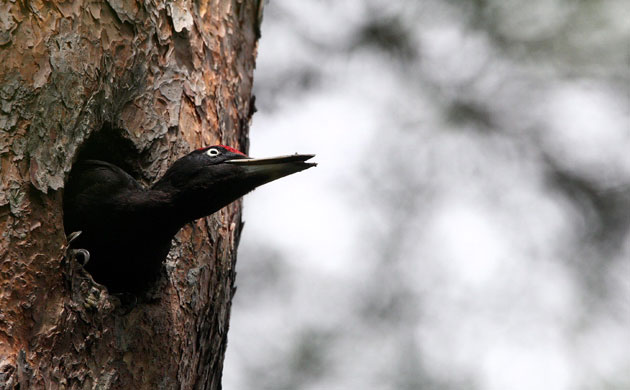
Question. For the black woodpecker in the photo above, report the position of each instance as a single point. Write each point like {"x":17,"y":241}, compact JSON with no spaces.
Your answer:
{"x":127,"y":228}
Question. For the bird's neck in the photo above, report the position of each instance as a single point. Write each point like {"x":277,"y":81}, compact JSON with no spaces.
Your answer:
{"x":181,"y":206}
{"x":157,"y":210}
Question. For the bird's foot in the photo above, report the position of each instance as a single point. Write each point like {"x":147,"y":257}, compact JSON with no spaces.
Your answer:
{"x":73,"y":236}
{"x":78,"y":280}
{"x":76,"y":253}
{"x":81,"y":254}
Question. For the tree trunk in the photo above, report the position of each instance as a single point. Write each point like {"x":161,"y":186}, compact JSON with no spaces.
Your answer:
{"x":139,"y":84}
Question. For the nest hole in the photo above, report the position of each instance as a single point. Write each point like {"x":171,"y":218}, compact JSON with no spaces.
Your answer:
{"x":110,"y":144}
{"x":82,"y":213}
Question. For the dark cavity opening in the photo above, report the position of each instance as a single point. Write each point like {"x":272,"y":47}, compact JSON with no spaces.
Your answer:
{"x":93,"y":205}
{"x":109,"y":144}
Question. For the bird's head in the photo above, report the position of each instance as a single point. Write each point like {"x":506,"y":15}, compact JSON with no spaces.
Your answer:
{"x":212,"y":177}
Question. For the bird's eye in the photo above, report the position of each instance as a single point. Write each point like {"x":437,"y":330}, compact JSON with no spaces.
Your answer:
{"x":213,"y":152}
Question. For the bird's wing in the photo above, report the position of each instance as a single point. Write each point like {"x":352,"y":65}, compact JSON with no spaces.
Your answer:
{"x":90,"y":185}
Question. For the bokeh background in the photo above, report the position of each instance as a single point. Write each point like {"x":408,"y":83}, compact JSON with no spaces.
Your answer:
{"x":468,"y":224}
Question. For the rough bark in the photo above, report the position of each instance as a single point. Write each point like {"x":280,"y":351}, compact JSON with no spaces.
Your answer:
{"x":139,"y":83}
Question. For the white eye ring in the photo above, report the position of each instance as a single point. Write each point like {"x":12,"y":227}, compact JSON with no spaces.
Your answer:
{"x":212,"y":152}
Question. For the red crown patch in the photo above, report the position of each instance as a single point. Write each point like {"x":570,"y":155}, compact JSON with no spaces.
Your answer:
{"x":228,"y":148}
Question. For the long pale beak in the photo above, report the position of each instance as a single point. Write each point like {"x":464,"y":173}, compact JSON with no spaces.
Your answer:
{"x":272,"y":168}
{"x":292,"y":158}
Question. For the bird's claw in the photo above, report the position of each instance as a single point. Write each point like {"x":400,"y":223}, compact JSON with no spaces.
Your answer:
{"x":74,"y":253}
{"x":73,"y":236}
{"x":84,"y":254}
